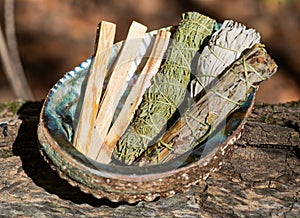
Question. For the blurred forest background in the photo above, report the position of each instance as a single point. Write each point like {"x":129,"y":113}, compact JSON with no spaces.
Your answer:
{"x":56,"y":35}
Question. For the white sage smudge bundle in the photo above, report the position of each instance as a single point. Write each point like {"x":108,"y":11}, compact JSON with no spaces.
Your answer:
{"x":225,"y":46}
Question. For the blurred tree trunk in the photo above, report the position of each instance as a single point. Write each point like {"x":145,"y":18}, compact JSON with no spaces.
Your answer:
{"x":9,"y":55}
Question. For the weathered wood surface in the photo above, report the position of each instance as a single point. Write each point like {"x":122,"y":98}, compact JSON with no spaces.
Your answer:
{"x":261,"y":177}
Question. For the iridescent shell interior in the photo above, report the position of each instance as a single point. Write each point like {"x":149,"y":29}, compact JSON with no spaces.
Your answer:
{"x":125,"y":183}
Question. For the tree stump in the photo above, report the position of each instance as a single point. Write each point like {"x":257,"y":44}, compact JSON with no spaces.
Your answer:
{"x":260,"y":178}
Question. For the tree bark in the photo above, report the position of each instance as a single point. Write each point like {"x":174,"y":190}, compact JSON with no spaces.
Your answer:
{"x":260,"y":178}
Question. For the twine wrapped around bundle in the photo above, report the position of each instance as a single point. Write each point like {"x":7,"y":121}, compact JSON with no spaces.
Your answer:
{"x":168,"y":90}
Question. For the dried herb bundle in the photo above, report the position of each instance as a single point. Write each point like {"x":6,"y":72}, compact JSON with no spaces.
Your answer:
{"x":224,"y":47}
{"x":167,"y":92}
{"x":226,"y":94}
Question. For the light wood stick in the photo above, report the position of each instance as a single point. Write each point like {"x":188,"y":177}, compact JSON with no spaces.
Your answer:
{"x":135,"y":96}
{"x":83,"y":133}
{"x":114,"y":88}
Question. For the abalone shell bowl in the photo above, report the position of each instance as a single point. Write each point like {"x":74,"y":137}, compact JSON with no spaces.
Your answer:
{"x":118,"y":182}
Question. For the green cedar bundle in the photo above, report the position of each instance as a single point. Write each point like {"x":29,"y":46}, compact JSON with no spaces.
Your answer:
{"x":169,"y":87}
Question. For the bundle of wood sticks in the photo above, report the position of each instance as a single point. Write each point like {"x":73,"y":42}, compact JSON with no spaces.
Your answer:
{"x":196,"y":74}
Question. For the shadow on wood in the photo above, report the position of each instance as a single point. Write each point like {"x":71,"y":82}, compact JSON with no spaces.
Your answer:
{"x":26,"y":146}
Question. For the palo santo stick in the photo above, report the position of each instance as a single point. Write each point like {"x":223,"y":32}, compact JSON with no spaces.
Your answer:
{"x":114,"y":88}
{"x":135,"y":96}
{"x":83,"y":133}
